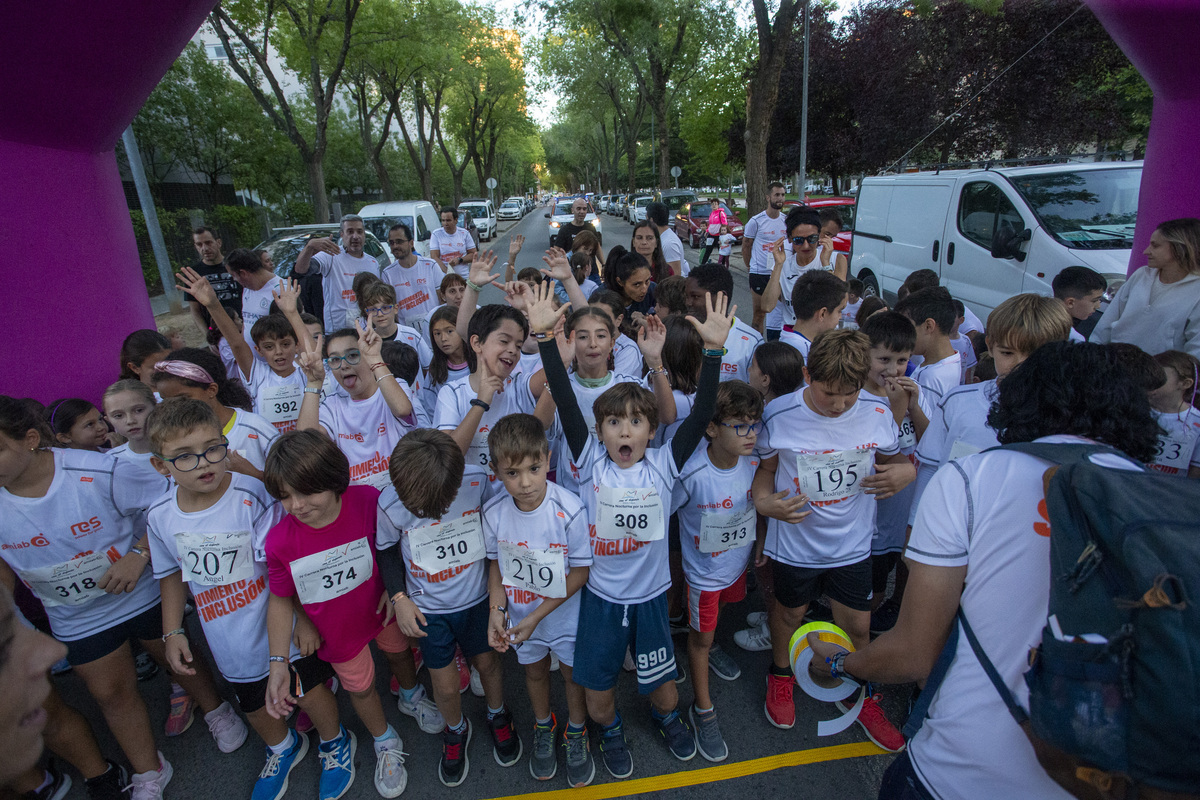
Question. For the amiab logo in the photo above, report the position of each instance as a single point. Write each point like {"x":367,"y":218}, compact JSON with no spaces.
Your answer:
{"x":37,"y":541}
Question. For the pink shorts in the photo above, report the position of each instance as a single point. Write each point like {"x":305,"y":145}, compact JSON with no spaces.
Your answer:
{"x":358,"y":674}
{"x":703,"y":607}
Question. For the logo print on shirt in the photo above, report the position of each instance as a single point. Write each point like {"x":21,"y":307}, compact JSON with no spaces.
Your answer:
{"x":92,"y":525}
{"x":1042,"y":528}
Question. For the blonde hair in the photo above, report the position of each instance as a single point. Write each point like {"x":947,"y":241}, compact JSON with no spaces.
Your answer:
{"x":840,"y":358}
{"x":1028,"y":321}
{"x":1184,"y":237}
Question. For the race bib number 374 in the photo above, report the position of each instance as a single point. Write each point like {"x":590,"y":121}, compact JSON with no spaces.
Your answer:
{"x":332,"y":573}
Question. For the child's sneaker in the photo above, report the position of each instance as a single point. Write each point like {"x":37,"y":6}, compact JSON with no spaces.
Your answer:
{"x":337,"y":765}
{"x":615,"y":752}
{"x":709,"y":741}
{"x":464,"y":671}
{"x":755,"y":639}
{"x":151,"y":785}
{"x":543,"y":763}
{"x":756,"y":619}
{"x":677,"y":735}
{"x":476,"y":683}
{"x":876,"y":725}
{"x":581,"y":768}
{"x":390,"y":775}
{"x":423,"y":710}
{"x":722,"y":664}
{"x":109,"y":786}
{"x":183,"y":711}
{"x":56,"y":789}
{"x":272,"y":782}
{"x":780,"y":707}
{"x":145,"y":666}
{"x":226,"y":727}
{"x":454,"y":766}
{"x":506,"y":745}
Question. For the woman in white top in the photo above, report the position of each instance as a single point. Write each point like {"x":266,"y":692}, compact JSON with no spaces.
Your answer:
{"x":981,"y":541}
{"x":1158,"y":308}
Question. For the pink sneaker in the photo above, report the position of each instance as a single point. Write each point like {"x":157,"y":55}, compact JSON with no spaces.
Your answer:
{"x":183,"y":711}
{"x":464,"y":671}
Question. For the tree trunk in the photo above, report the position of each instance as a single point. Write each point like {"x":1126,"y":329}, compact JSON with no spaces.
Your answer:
{"x":631,"y":161}
{"x":315,"y":166}
{"x":664,"y":139}
{"x":385,"y":178}
{"x":762,"y":94}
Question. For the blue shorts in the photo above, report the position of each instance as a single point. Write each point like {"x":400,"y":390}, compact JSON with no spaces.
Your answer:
{"x":466,"y":629}
{"x":611,"y":628}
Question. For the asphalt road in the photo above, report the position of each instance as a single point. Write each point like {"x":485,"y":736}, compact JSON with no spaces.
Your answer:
{"x":201,"y":771}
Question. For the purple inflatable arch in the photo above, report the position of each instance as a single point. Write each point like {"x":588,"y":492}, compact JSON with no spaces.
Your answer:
{"x":71,"y":281}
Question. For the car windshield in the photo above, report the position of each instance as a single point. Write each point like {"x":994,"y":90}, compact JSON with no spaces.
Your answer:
{"x":704,"y":209}
{"x":564,"y":209}
{"x":286,"y":249}
{"x":510,"y":204}
{"x":674,"y":202}
{"x":380,"y":225}
{"x":1089,"y":209}
{"x":476,"y":210}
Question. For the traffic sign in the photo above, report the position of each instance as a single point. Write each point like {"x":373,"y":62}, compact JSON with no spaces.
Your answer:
{"x":676,"y":172}
{"x":491,"y":183}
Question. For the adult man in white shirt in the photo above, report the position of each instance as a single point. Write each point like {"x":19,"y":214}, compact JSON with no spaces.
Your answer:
{"x":672,"y":247}
{"x":762,"y":231}
{"x":338,"y":266}
{"x":452,"y":246}
{"x":415,"y":278}
{"x":258,"y":288}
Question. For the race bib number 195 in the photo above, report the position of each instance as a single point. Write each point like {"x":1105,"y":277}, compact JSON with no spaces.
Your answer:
{"x":826,"y":477}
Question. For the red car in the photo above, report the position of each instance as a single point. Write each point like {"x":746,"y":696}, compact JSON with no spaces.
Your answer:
{"x":845,"y":205}
{"x":691,"y":222}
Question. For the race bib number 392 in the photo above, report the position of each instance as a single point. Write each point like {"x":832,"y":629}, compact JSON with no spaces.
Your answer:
{"x":826,"y":477}
{"x":334,"y":572}
{"x":629,"y":514}
{"x":280,"y":404}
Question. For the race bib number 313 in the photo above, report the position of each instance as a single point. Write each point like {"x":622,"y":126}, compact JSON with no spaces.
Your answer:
{"x":629,"y":514}
{"x":720,"y":532}
{"x":332,"y":573}
{"x":825,"y":477}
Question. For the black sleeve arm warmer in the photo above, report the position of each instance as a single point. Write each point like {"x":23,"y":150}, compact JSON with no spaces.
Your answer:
{"x":574,"y":425}
{"x":391,"y":569}
{"x":691,"y":430}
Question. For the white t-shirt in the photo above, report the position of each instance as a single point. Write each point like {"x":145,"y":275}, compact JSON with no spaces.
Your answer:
{"x":256,"y":304}
{"x":451,"y":246}
{"x":765,"y":231}
{"x":229,"y":360}
{"x":277,"y":398}
{"x":970,"y":322}
{"x":140,"y":462}
{"x":727,"y":241}
{"x":891,"y":518}
{"x":454,"y":401}
{"x":850,"y":316}
{"x":938,"y":378}
{"x":1180,"y":448}
{"x":789,"y":274}
{"x":557,"y":533}
{"x":337,"y":286}
{"x":220,"y":552}
{"x":683,"y":407}
{"x":627,"y":358}
{"x":1075,"y":336}
{"x":740,"y":345}
{"x":672,"y":248}
{"x":716,"y":502}
{"x":982,"y":512}
{"x":966,"y":352}
{"x":367,"y":432}
{"x":251,"y":436}
{"x":530,"y":362}
{"x":628,"y":570}
{"x":89,"y":517}
{"x":797,"y":340}
{"x":838,"y":532}
{"x":454,"y":588}
{"x":413,"y":338}
{"x":429,"y":389}
{"x":957,"y":426}
{"x":416,"y":287}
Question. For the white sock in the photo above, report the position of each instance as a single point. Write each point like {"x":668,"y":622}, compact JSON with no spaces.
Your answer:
{"x":285,"y":745}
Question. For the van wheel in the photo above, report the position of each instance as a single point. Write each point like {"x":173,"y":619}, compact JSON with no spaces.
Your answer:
{"x":870,"y":284}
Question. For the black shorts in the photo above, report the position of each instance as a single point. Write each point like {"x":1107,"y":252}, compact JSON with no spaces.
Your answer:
{"x":145,"y":626}
{"x":307,"y":673}
{"x":881,"y":567}
{"x":849,"y":585}
{"x":758,"y":283}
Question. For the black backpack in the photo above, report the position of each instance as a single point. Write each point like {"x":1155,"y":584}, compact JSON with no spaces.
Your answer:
{"x":1120,"y":718}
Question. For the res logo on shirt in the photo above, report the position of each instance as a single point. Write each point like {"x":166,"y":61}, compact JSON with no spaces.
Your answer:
{"x":93,"y":525}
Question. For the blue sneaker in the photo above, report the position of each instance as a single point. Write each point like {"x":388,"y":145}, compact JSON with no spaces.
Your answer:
{"x":272,"y":782}
{"x":337,"y":765}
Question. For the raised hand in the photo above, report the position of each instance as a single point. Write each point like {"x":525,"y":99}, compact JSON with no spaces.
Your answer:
{"x":826,"y":245}
{"x":489,"y":383}
{"x":558,"y":266}
{"x":517,"y":295}
{"x":311,"y":361}
{"x":480,"y":272}
{"x":287,"y":296}
{"x":369,"y":342}
{"x":566,"y":344}
{"x":651,"y":338}
{"x":322,"y":245}
{"x":514,"y":247}
{"x":195,"y":284}
{"x":715,"y":328}
{"x":778,"y":253}
{"x":542,"y":314}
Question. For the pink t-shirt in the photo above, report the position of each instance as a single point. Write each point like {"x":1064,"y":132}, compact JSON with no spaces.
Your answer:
{"x":347,"y":622}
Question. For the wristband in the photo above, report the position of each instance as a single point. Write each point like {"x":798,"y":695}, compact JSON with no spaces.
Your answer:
{"x":376,"y":366}
{"x":657,"y":371}
{"x":501,"y":609}
{"x":475,"y":401}
{"x":714,"y":353}
{"x":176,"y":632}
{"x":387,"y":374}
{"x":397,"y":596}
{"x":836,"y":670}
{"x":542,"y":335}
{"x":310,"y":390}
{"x":141,"y":551}
{"x":277,"y":660}
{"x":473,"y":287}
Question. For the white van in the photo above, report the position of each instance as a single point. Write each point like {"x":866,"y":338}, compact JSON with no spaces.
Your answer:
{"x":994,"y":233}
{"x":419,"y":215}
{"x":484,"y":214}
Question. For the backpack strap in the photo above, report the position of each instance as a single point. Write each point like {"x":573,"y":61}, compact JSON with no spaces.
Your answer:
{"x":1014,"y":708}
{"x":1060,"y":453}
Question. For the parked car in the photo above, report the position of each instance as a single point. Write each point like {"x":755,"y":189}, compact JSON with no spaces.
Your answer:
{"x":484,"y":213}
{"x":285,"y":245}
{"x":994,"y":233}
{"x":511,"y":209}
{"x":560,"y":214}
{"x":467,"y":223}
{"x":675,"y":199}
{"x":619,"y":205}
{"x":691,"y":222}
{"x":637,"y":209}
{"x":419,"y":215}
{"x":845,"y":206}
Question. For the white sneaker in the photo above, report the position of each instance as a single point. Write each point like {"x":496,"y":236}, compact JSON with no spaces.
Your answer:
{"x":756,"y":619}
{"x":553,"y":662}
{"x":227,"y":728}
{"x":476,"y":683}
{"x":150,"y":785}
{"x":391,"y":777}
{"x":423,"y":710}
{"x":753,"y":639}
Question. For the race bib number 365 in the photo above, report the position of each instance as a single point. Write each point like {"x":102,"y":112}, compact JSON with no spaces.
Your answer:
{"x":215,"y":559}
{"x":71,"y":583}
{"x":332,"y":573}
{"x":833,"y":476}
{"x":539,"y":571}
{"x":629,"y":514}
{"x":452,"y":543}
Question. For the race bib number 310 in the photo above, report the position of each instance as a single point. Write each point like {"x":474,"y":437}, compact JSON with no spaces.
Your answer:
{"x":826,"y":477}
{"x":629,"y":514}
{"x":452,"y":543}
{"x":539,"y":571}
{"x":215,"y":559}
{"x":332,"y":573}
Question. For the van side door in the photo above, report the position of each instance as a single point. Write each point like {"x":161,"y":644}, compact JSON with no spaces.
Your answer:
{"x":986,"y":216}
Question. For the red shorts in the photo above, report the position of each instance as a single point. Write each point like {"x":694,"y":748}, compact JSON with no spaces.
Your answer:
{"x":358,"y":674}
{"x":703,"y":607}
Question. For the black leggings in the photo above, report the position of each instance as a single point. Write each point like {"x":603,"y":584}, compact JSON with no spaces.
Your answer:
{"x":709,"y":243}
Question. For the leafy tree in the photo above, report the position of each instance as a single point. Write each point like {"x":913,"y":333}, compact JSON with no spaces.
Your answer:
{"x":773,"y":38}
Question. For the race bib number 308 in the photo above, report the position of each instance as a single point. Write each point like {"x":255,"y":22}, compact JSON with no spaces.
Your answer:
{"x":629,"y":514}
{"x":826,"y":477}
{"x":334,"y":572}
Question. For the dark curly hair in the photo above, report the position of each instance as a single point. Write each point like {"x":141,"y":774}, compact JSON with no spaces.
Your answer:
{"x":1079,"y":389}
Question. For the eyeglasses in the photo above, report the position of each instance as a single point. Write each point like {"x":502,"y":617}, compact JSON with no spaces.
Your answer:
{"x":189,"y":462}
{"x":799,"y":240}
{"x":351,"y":358}
{"x":746,"y":428}
{"x":378,"y":310}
